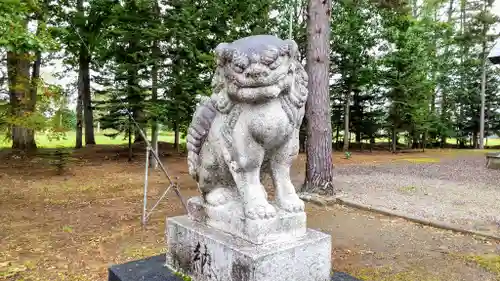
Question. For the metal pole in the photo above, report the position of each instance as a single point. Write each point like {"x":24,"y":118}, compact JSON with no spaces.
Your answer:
{"x":178,"y":192}
{"x":161,"y":198}
{"x":146,"y":172}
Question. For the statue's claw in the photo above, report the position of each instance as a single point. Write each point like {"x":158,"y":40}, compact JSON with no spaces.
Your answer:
{"x":259,"y":210}
{"x":291,"y":203}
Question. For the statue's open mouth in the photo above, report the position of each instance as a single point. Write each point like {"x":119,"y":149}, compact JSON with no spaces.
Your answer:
{"x":253,"y":83}
{"x":261,"y":92}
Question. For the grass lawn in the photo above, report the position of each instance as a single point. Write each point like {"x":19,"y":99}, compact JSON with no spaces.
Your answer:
{"x":490,"y":142}
{"x":68,"y":141}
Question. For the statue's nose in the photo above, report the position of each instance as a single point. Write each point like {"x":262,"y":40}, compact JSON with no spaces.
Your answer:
{"x":257,"y":71}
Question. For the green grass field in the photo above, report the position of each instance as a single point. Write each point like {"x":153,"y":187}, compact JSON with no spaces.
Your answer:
{"x":490,"y":142}
{"x":68,"y":141}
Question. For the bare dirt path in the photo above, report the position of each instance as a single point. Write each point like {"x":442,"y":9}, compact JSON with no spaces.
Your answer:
{"x":72,"y":227}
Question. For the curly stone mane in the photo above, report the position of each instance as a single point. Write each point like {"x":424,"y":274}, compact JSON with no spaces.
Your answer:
{"x":292,"y":99}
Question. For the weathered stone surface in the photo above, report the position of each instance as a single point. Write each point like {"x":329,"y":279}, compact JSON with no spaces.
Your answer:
{"x":154,"y":269}
{"x":229,"y":218}
{"x":208,"y":254}
{"x":493,"y":160}
{"x":249,"y":126}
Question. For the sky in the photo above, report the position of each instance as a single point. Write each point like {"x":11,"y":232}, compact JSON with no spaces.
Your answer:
{"x":496,"y":9}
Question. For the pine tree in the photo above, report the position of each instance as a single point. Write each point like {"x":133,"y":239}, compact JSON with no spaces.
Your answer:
{"x":319,"y":167}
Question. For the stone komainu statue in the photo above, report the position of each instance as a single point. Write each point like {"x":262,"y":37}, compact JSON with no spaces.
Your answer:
{"x":250,"y":125}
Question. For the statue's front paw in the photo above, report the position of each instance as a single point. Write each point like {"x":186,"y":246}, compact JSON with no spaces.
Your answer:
{"x":259,"y":210}
{"x":291,"y":203}
{"x":219,"y":196}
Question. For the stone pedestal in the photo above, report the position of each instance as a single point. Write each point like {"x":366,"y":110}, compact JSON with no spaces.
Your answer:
{"x":209,"y":254}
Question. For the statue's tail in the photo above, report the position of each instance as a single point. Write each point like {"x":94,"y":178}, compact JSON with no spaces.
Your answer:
{"x":197,"y":133}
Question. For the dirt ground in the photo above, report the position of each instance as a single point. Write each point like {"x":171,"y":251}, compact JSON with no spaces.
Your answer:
{"x":73,"y":226}
{"x":459,"y":191}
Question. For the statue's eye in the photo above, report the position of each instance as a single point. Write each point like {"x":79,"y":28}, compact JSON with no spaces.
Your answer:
{"x":269,"y":56}
{"x":275,"y":64}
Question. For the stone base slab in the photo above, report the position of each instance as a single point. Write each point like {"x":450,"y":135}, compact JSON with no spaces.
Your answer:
{"x":230,"y":218}
{"x":153,"y":269}
{"x":209,"y":254}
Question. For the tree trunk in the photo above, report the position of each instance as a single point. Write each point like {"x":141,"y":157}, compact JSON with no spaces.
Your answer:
{"x":319,"y":167}
{"x":21,"y":99}
{"x":414,"y":143}
{"x":463,"y":49}
{"x":424,"y":141}
{"x":302,"y":137}
{"x":483,"y":83}
{"x":154,"y":92}
{"x":155,"y":132}
{"x":79,"y":113}
{"x":347,"y":113}
{"x":86,"y":97}
{"x":139,"y":118}
{"x":176,"y":137}
{"x":394,"y":140}
{"x":415,"y":139}
{"x":414,"y":8}
{"x":23,"y":94}
{"x":434,"y":71}
{"x":443,"y":142}
{"x":358,"y":116}
{"x":475,"y":140}
{"x":35,"y":80}
{"x":358,"y":136}
{"x":444,"y":97}
{"x":84,"y":83}
{"x":337,"y":136}
{"x":130,"y":129}
{"x":134,"y":106}
{"x":135,"y":98}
